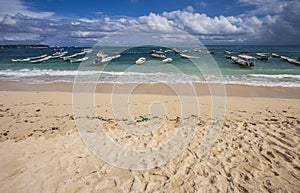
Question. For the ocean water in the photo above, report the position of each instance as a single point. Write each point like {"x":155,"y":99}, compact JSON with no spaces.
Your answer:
{"x":273,"y":72}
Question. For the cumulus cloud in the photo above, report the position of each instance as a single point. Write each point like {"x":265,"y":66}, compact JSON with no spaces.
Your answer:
{"x":277,"y":22}
{"x":13,"y":7}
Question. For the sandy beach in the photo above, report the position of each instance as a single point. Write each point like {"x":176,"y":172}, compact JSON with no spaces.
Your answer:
{"x":258,"y":148}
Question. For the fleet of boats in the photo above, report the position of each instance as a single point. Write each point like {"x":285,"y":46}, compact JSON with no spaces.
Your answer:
{"x":243,"y":58}
{"x":60,"y":53}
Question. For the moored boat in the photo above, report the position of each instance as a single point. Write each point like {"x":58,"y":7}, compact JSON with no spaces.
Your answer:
{"x":294,"y":61}
{"x":21,"y":60}
{"x":227,"y":56}
{"x":79,"y":60}
{"x":284,"y":58}
{"x":167,"y":60}
{"x":87,"y":50}
{"x":263,"y":56}
{"x":38,"y":57}
{"x":245,"y":62}
{"x":41,"y":60}
{"x":227,"y":52}
{"x":188,"y":56}
{"x":155,"y":55}
{"x":141,"y":60}
{"x":275,"y":55}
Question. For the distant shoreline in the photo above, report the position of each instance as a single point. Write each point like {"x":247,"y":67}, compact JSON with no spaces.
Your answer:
{"x":231,"y":90}
{"x":24,"y":46}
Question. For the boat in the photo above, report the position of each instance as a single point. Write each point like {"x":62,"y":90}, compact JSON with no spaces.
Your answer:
{"x":167,"y":60}
{"x":141,"y":60}
{"x":227,"y":52}
{"x":155,"y":55}
{"x":70,"y":57}
{"x":79,"y":60}
{"x":245,"y":62}
{"x":80,"y":53}
{"x":245,"y":52}
{"x":38,"y":57}
{"x":263,"y":56}
{"x":104,"y":58}
{"x":168,"y":51}
{"x":294,"y":61}
{"x":227,"y":56}
{"x":59,"y":55}
{"x":176,"y":51}
{"x":188,"y":56}
{"x":284,"y":58}
{"x":115,"y":56}
{"x":21,"y":60}
{"x":87,"y":50}
{"x":41,"y":60}
{"x":275,"y":55}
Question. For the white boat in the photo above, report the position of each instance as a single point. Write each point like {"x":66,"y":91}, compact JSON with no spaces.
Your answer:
{"x":284,"y":58}
{"x":227,"y":56}
{"x":41,"y":60}
{"x":87,"y":50}
{"x":59,"y":55}
{"x":294,"y":61}
{"x":167,"y":60}
{"x":243,"y":62}
{"x":275,"y":55}
{"x":80,"y":53}
{"x":141,"y":60}
{"x":101,"y":54}
{"x":70,"y":57}
{"x":227,"y":52}
{"x":21,"y":60}
{"x":79,"y":60}
{"x":115,"y":56}
{"x":38,"y":57}
{"x":155,"y":55}
{"x":263,"y":56}
{"x":105,"y":58}
{"x":188,"y":56}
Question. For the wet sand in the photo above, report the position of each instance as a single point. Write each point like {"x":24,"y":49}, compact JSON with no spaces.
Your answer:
{"x":258,"y":149}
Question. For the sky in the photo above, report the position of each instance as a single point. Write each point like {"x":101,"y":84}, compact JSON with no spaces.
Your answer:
{"x":214,"y":22}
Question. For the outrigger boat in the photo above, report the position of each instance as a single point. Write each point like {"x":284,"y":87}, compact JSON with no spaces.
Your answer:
{"x":59,"y":55}
{"x":294,"y":61}
{"x":21,"y":60}
{"x":284,"y":58}
{"x":263,"y":56}
{"x":79,"y":60}
{"x":167,"y":60}
{"x":155,"y":55}
{"x":275,"y":55}
{"x":140,"y":61}
{"x":244,"y":60}
{"x":188,"y":56}
{"x":41,"y":60}
{"x":38,"y":57}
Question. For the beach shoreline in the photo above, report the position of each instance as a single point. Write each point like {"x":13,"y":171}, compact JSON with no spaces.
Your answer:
{"x":41,"y":149}
{"x":201,"y":89}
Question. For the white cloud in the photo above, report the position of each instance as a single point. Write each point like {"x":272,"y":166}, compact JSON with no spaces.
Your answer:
{"x":202,"y":24}
{"x":156,"y":22}
{"x":189,"y":9}
{"x":87,"y":20}
{"x":267,"y":27}
{"x":14,"y":7}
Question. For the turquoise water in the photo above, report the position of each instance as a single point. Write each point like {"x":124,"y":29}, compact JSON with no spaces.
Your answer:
{"x":275,"y":72}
